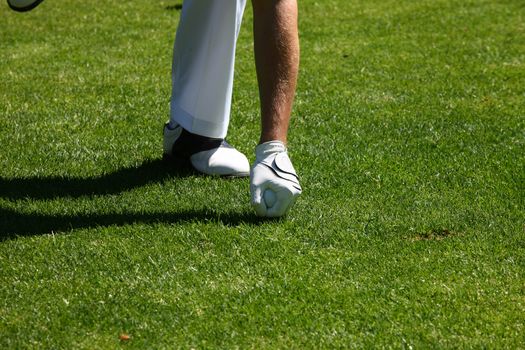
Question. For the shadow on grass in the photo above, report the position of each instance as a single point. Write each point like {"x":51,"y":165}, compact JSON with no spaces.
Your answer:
{"x":177,"y":7}
{"x":122,"y":180}
{"x":14,"y":224}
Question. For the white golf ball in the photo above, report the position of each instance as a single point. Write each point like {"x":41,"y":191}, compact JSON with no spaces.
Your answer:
{"x":269,"y":198}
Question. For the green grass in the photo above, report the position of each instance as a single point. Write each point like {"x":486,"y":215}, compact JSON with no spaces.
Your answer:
{"x":408,"y":134}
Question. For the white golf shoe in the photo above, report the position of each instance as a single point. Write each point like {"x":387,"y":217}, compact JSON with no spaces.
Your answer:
{"x":207,"y":155}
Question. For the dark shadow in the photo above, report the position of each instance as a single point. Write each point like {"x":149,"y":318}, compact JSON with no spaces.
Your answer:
{"x":14,"y":224}
{"x":177,"y":7}
{"x":119,"y":181}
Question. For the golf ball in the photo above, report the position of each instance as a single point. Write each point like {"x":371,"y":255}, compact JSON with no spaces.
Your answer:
{"x":269,"y":198}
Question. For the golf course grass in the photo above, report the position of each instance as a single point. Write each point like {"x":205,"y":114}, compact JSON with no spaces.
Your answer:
{"x":408,"y":134}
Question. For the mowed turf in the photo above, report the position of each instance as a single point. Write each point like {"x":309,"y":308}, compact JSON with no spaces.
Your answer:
{"x":408,"y":134}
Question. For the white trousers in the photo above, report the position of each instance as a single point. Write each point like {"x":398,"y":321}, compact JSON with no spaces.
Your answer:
{"x":203,"y":65}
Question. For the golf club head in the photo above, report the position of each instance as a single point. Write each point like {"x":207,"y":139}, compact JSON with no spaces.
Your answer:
{"x":23,"y":5}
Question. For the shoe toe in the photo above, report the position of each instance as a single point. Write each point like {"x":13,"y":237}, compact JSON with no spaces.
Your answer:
{"x":222,"y":161}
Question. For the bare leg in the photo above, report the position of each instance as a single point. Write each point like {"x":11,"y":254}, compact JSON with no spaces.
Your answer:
{"x":277,"y":61}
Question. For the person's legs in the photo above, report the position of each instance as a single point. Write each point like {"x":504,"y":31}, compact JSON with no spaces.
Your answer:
{"x":277,"y":61}
{"x":203,"y":64}
{"x":274,"y":184}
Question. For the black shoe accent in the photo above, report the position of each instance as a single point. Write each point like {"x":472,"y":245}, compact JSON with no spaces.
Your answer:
{"x":188,"y":144}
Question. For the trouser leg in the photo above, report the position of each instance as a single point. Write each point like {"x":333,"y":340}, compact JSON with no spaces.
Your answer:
{"x":203,"y":65}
